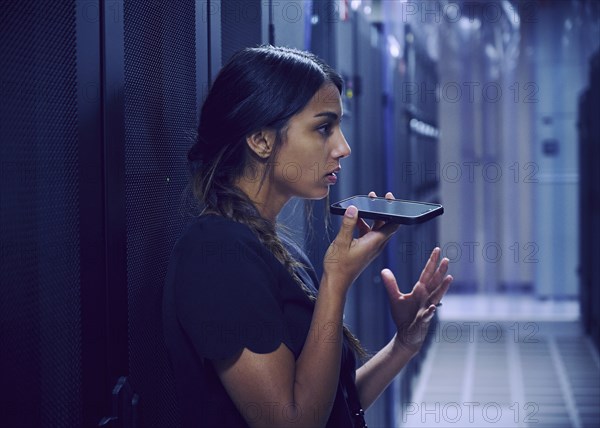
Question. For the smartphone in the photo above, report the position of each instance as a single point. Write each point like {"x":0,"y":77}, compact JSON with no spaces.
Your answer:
{"x":392,"y":210}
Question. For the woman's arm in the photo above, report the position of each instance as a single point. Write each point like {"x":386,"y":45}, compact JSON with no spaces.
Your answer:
{"x":275,"y":390}
{"x":412,"y":314}
{"x":376,"y":374}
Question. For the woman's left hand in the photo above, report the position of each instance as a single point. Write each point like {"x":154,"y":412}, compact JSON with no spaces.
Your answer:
{"x":413,"y":312}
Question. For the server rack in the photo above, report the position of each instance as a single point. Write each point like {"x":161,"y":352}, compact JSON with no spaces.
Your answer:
{"x":93,"y":169}
{"x":417,"y":136}
{"x":589,"y":202}
{"x":41,"y":253}
{"x":394,"y":139}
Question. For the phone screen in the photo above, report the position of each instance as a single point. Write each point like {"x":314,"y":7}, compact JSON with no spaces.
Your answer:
{"x":396,"y":210}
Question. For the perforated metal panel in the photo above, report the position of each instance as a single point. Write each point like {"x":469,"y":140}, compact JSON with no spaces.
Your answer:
{"x":40,"y":320}
{"x":160,"y":114}
{"x":240,"y":26}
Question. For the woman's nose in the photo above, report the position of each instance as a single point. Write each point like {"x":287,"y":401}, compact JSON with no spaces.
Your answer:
{"x":342,"y":149}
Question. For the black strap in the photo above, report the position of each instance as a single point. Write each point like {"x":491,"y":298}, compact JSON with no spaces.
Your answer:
{"x":357,"y":412}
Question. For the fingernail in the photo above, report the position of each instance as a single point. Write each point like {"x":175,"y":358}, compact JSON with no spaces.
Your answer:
{"x":351,"y":211}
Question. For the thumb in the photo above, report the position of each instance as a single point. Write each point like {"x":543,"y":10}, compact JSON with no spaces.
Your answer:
{"x":391,"y":286}
{"x":346,"y":233}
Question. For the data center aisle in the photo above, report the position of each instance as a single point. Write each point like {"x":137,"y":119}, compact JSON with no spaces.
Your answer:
{"x":507,"y":362}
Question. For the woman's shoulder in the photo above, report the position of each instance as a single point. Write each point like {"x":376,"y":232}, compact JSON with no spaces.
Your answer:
{"x":212,"y":238}
{"x":213,"y":227}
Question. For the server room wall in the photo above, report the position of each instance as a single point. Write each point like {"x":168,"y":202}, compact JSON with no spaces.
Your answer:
{"x":93,"y":180}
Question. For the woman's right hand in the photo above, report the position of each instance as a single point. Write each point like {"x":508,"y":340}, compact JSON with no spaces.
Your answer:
{"x":347,"y":256}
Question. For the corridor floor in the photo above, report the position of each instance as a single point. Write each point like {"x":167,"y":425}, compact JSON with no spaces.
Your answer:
{"x":512,"y":362}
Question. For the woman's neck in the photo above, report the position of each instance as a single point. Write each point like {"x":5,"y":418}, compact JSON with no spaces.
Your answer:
{"x":268,"y":202}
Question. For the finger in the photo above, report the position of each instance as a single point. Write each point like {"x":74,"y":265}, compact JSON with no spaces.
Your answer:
{"x":363,"y":227}
{"x":388,"y":229}
{"x":346,"y":233}
{"x":377,"y":223}
{"x":391,"y":286}
{"x":438,"y":276}
{"x":438,"y":293}
{"x":428,"y":314}
{"x":429,"y":268}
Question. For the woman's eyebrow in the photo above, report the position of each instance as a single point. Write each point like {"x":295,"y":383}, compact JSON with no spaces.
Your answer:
{"x":329,"y":114}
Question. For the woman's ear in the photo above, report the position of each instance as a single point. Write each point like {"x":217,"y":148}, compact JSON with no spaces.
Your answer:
{"x":261,"y":142}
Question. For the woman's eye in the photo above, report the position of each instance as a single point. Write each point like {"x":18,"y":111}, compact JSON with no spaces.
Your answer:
{"x":325,"y":129}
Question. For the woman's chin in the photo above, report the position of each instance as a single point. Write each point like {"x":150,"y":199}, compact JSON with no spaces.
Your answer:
{"x":317,"y":194}
{"x":323,"y":194}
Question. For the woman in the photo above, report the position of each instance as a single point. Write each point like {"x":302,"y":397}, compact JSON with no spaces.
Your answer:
{"x":251,"y":341}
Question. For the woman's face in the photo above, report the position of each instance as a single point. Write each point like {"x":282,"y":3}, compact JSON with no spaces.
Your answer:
{"x":312,"y":148}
